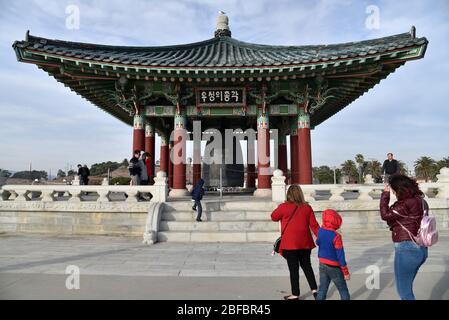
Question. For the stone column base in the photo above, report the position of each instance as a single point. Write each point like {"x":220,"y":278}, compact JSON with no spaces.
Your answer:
{"x":262,"y":193}
{"x":178,"y":193}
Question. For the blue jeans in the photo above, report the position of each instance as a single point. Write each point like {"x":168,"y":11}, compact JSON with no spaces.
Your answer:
{"x":334,"y":274}
{"x":408,"y":258}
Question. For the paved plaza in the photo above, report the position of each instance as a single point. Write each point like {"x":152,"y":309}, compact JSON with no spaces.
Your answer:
{"x":34,"y":266}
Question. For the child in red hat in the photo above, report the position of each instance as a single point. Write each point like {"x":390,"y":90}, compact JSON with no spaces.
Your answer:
{"x":332,"y":256}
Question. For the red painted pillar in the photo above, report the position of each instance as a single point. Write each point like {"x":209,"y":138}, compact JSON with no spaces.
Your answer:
{"x":263,"y":153}
{"x":150,"y":148}
{"x":138,"y":133}
{"x":164,"y":157}
{"x":282,"y":156}
{"x":251,"y":175}
{"x":251,"y":164}
{"x":179,"y":156}
{"x":294,"y":173}
{"x":196,"y":168}
{"x":170,"y":167}
{"x":304,"y":148}
{"x":196,"y":173}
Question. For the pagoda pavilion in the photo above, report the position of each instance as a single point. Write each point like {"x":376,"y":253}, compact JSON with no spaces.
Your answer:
{"x":226,"y":84}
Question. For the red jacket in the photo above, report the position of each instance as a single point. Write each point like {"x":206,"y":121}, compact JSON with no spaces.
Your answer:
{"x":297,"y":235}
{"x":408,"y":212}
{"x":149,"y":170}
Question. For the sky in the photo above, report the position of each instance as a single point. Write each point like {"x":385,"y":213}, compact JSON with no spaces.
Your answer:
{"x":47,"y":125}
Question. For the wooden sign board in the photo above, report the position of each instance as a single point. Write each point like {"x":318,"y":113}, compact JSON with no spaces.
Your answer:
{"x":216,"y":97}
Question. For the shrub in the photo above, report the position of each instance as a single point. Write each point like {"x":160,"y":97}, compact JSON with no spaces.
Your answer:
{"x":122,"y":181}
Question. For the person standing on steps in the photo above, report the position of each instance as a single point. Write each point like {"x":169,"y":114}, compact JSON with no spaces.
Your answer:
{"x":197,"y":196}
{"x":297,"y":219}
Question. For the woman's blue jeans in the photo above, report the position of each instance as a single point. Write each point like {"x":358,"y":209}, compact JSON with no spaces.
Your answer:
{"x":408,"y":258}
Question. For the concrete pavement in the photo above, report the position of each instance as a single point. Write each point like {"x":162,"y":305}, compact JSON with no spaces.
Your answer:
{"x":34,"y":266}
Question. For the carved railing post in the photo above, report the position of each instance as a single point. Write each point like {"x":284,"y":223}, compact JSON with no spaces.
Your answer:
{"x":21,"y":195}
{"x":76,"y":195}
{"x":278,"y":186}
{"x":47,"y":195}
{"x":336,"y":194}
{"x":103,"y":195}
{"x":161,"y":186}
{"x":443,"y":184}
{"x":365,"y":193}
{"x":132,"y":195}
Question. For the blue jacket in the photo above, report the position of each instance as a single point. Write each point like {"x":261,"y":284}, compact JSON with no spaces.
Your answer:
{"x":330,"y":243}
{"x":198,"y":191}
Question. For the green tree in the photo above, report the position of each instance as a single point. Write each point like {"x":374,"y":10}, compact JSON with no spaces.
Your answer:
{"x":425,"y":168}
{"x":125,"y":163}
{"x":71,"y":173}
{"x":403,"y":169}
{"x":4,"y":173}
{"x":325,"y":175}
{"x":30,"y":175}
{"x":99,"y":169}
{"x":61,"y":174}
{"x":349,"y":169}
{"x":360,"y":160}
{"x":374,"y":168}
{"x":442,"y":163}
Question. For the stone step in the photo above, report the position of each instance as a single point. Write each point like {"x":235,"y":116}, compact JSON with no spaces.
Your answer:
{"x":222,"y":205}
{"x":218,"y":236}
{"x":212,"y":226}
{"x":216,"y":215}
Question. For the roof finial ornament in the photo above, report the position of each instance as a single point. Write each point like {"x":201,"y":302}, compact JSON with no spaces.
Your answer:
{"x":413,"y":32}
{"x":222,"y":29}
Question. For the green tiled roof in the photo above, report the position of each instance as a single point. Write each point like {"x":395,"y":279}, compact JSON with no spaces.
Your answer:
{"x":92,"y":70}
{"x":217,"y":52}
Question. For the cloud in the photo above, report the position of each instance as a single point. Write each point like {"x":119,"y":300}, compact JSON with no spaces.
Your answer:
{"x":40,"y":118}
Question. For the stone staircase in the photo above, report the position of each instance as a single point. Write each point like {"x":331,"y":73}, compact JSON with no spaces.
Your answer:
{"x":239,"y":219}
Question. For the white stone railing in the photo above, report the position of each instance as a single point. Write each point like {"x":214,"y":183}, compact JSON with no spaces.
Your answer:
{"x":337,"y":192}
{"x":78,"y":193}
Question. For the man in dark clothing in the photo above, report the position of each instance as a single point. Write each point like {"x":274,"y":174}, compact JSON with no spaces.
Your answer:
{"x":81,"y":174}
{"x":390,"y":167}
{"x":197,"y":195}
{"x":135,"y":168}
{"x":86,"y":174}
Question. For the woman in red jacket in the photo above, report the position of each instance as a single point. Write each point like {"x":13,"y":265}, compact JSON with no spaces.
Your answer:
{"x":297,"y":219}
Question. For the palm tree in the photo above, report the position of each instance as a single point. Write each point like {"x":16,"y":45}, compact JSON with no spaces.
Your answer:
{"x":349,"y":169}
{"x":442,"y":163}
{"x":360,"y":160}
{"x":402,"y":167}
{"x":374,"y":168}
{"x":425,"y":168}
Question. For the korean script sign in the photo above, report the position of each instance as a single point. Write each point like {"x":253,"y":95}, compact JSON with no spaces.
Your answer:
{"x":211,"y":97}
